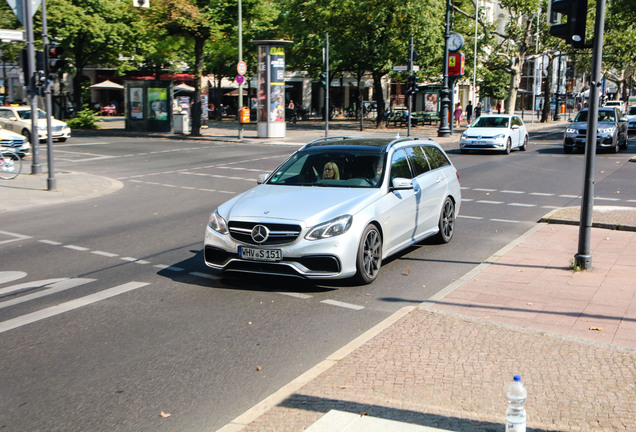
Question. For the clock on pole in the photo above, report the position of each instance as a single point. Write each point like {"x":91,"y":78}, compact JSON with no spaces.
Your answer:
{"x":455,"y":41}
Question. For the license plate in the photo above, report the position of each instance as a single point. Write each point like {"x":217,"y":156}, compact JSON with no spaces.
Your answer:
{"x":260,"y":254}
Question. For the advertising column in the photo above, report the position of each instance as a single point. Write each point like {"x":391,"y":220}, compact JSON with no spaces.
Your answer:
{"x":271,"y":88}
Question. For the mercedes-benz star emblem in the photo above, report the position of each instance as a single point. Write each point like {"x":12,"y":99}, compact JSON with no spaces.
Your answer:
{"x":260,"y":234}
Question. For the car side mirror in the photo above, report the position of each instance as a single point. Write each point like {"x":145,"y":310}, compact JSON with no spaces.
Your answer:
{"x":261,"y":178}
{"x":570,"y":120}
{"x":13,"y":118}
{"x":515,"y":127}
{"x":623,"y":119}
{"x":401,"y":183}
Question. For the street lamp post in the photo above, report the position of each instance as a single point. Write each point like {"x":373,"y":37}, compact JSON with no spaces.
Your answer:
{"x":444,"y":130}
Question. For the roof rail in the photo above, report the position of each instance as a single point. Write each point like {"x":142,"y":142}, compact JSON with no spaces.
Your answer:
{"x":319,"y":140}
{"x":401,"y":139}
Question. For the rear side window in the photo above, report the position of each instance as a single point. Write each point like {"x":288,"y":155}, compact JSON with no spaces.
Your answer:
{"x":400,"y":165}
{"x":436,"y":157}
{"x":418,"y":160}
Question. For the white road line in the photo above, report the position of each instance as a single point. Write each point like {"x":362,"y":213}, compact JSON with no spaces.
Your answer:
{"x":342,"y":304}
{"x":485,"y":190}
{"x":68,"y":306}
{"x":169,"y":267}
{"x":10,"y":276}
{"x":129,"y":259}
{"x":17,"y":237}
{"x":569,"y":196}
{"x":512,"y":192}
{"x":76,"y":248}
{"x":142,"y":262}
{"x":27,"y":285}
{"x":490,"y":202}
{"x":51,"y":242}
{"x":521,"y":205}
{"x":541,"y":194}
{"x":470,"y":217}
{"x":467,"y":199}
{"x":504,"y":220}
{"x":606,"y":199}
{"x":294,"y":294}
{"x":53,"y":288}
{"x":105,"y":254}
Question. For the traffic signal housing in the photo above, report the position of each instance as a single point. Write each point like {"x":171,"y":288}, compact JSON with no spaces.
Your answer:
{"x":54,"y":61}
{"x":573,"y":30}
{"x":411,"y":85}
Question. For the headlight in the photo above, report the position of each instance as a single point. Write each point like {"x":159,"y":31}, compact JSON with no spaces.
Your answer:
{"x":606,"y":130}
{"x":499,"y":137}
{"x":331,"y":228}
{"x":570,"y":130}
{"x":464,"y":136}
{"x":42,"y":128}
{"x":217,"y":223}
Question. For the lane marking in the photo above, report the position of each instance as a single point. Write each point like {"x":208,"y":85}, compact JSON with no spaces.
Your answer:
{"x":505,"y":220}
{"x":53,"y":288}
{"x":470,"y":217}
{"x":294,"y":294}
{"x":512,"y":192}
{"x":76,"y":248}
{"x":18,"y":237}
{"x":490,"y":202}
{"x":169,"y":267}
{"x":342,"y":304}
{"x":69,"y":306}
{"x":521,"y":205}
{"x":51,"y":242}
{"x":105,"y":254}
{"x":28,"y":285}
{"x":10,"y":276}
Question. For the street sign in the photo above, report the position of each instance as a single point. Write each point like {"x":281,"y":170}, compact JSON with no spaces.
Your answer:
{"x":17,"y":8}
{"x":416,"y":68}
{"x":241,"y":68}
{"x":9,"y":35}
{"x":240,"y":79}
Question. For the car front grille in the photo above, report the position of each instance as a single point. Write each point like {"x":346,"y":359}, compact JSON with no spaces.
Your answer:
{"x":279,"y":234}
{"x":15,"y":143}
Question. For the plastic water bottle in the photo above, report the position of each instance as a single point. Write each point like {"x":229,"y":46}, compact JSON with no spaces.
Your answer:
{"x":516,"y":413}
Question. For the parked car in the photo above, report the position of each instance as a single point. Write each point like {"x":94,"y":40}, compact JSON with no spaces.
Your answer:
{"x":14,"y":142}
{"x":615,"y":104}
{"x":631,"y":119}
{"x":336,"y":209}
{"x":611,"y":132}
{"x":18,"y":120}
{"x":498,"y":132}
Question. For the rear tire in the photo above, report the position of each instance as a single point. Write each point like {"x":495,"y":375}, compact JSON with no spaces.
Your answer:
{"x":369,"y":257}
{"x":10,"y":165}
{"x":524,"y":147}
{"x":446,"y":221}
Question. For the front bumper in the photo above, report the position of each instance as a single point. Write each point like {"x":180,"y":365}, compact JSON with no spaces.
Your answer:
{"x":579,"y":140}
{"x":482,"y":144}
{"x":331,"y":258}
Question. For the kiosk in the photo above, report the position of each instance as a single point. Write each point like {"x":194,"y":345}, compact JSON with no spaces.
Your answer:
{"x":270,"y":110}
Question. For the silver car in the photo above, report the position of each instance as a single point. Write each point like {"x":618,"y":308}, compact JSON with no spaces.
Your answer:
{"x":498,"y":132}
{"x":336,"y":209}
{"x":14,"y":142}
{"x":611,"y":131}
{"x":631,"y":118}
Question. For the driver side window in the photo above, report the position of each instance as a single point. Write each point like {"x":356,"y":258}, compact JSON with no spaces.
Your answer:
{"x":400,"y":166}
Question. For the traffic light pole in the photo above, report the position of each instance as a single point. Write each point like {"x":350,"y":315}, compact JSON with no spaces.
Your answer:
{"x":50,"y":181}
{"x":584,"y":257}
{"x":443,"y":130}
{"x":36,"y":168}
{"x":411,"y":91}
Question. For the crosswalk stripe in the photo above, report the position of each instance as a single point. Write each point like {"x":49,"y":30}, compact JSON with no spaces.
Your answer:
{"x":68,"y":306}
{"x":32,"y":284}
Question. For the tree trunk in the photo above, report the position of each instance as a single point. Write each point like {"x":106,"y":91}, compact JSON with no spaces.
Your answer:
{"x":547,"y":92}
{"x":379,"y":98}
{"x":196,"y":105}
{"x":515,"y":79}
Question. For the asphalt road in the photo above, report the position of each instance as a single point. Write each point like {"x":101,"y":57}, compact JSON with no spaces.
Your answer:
{"x":136,"y":325}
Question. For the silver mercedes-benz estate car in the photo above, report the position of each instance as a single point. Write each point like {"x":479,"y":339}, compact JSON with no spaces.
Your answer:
{"x":336,"y":208}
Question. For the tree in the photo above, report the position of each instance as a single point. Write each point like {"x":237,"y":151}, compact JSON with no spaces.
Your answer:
{"x":93,"y":32}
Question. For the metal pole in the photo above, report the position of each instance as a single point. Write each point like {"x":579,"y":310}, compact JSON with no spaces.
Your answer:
{"x":475,"y":56}
{"x":240,"y":58}
{"x":583,"y":257}
{"x":50,"y":181}
{"x":410,"y":103}
{"x":443,"y":130}
{"x":327,"y":84}
{"x":558,"y":88}
{"x":534,"y":79}
{"x":36,"y":168}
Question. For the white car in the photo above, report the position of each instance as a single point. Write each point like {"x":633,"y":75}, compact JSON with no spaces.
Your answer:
{"x":14,"y":142}
{"x":18,"y":120}
{"x":615,"y":104}
{"x":496,"y":132}
{"x":336,"y":209}
{"x":631,"y":118}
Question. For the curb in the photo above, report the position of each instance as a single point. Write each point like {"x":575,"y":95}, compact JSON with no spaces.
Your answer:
{"x":575,"y":220}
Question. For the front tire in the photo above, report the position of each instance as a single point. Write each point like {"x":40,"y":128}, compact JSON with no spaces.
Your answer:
{"x":446,"y":221}
{"x":27,"y":134}
{"x":508,"y":147}
{"x":369,"y":257}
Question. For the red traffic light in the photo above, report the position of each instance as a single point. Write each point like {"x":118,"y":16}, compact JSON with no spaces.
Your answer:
{"x":54,"y":50}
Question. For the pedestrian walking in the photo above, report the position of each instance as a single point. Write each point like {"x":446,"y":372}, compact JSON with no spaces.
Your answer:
{"x":458,"y":114}
{"x":478,"y":110}
{"x":499,"y":107}
{"x":469,"y":112}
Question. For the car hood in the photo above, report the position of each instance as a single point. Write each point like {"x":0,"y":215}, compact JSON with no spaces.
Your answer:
{"x":311,"y":204}
{"x":600,"y":125}
{"x":8,"y":135}
{"x":485,"y":132}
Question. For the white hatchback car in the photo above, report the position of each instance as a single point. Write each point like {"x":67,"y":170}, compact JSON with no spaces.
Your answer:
{"x":336,"y":208}
{"x":18,"y":120}
{"x":496,"y":132}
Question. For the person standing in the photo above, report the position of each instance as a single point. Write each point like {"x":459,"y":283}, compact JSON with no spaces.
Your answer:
{"x":458,"y":114}
{"x":478,"y":110}
{"x":469,"y":112}
{"x":499,"y":107}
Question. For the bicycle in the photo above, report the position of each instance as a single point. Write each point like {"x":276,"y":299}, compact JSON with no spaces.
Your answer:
{"x":10,"y":165}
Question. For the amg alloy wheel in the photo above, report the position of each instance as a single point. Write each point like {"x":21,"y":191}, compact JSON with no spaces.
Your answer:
{"x":369,"y":255}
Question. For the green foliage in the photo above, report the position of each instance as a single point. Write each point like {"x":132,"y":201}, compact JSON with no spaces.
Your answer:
{"x":494,"y":84}
{"x":85,"y":119}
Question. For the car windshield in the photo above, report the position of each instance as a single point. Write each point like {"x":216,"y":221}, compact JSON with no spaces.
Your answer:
{"x":331,"y":167}
{"x":491,"y":122}
{"x":603,"y":116}
{"x":632,"y":110}
{"x":26,"y":114}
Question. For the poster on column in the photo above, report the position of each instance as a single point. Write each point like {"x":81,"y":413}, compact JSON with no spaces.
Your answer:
{"x":277,"y":83}
{"x":158,"y":103}
{"x":262,"y":110}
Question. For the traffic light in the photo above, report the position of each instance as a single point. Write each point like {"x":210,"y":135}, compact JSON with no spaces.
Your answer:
{"x":573,"y":30}
{"x":54,"y":61}
{"x":411,"y":85}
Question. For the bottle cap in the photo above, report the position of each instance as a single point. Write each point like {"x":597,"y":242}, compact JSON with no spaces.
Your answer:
{"x":517,"y":378}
